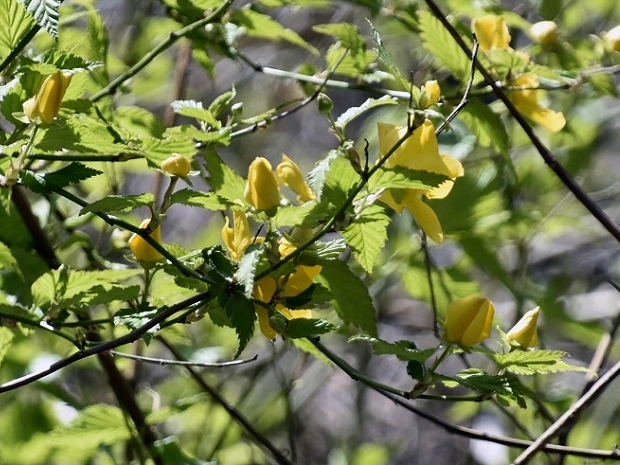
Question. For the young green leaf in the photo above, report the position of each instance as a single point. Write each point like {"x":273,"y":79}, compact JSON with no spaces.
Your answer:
{"x":367,"y":234}
{"x":530,"y":362}
{"x":403,"y":350}
{"x":351,"y":299}
{"x":15,"y":22}
{"x":192,"y":198}
{"x":306,"y":327}
{"x":119,"y":203}
{"x":195,"y":110}
{"x":397,"y":177}
{"x":354,"y":112}
{"x":223,"y":180}
{"x":45,"y":13}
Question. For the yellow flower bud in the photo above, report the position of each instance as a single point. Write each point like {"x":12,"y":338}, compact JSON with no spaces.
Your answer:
{"x":46,"y":103}
{"x":261,"y":189}
{"x":491,"y":32}
{"x":612,"y":38}
{"x":544,"y":32}
{"x":468,"y":320}
{"x":430,"y":94}
{"x":176,"y":165}
{"x":142,"y":250}
{"x":290,"y":175}
{"x":524,"y":333}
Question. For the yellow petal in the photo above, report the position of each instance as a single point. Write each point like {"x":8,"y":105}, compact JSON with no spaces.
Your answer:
{"x":141,"y":249}
{"x":261,"y":189}
{"x":491,"y":32}
{"x":526,"y":101}
{"x":424,"y":216}
{"x":290,"y":175}
{"x":300,"y":280}
{"x":292,"y":314}
{"x":237,"y":238}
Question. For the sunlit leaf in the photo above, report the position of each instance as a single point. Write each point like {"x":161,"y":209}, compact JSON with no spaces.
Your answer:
{"x":45,"y":13}
{"x":119,"y":203}
{"x":367,"y":234}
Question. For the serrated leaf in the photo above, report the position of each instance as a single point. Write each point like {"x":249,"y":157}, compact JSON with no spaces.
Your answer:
{"x":134,"y":319}
{"x":403,"y":350}
{"x":223,"y":180}
{"x":15,"y":22}
{"x":247,"y":270}
{"x":352,"y":301}
{"x":258,"y":25}
{"x":530,"y":362}
{"x":6,"y":338}
{"x":95,"y":426}
{"x":120,"y":203}
{"x":157,"y":150}
{"x":70,"y":174}
{"x":486,"y":125}
{"x":306,"y":327}
{"x":307,"y":215}
{"x":45,"y":13}
{"x":507,"y":385}
{"x":354,"y":112}
{"x":222,"y":102}
{"x":192,"y":198}
{"x":397,"y":177}
{"x":7,"y":260}
{"x":339,"y":181}
{"x":195,"y":110}
{"x":367,"y":234}
{"x":240,"y":312}
{"x":98,"y":295}
{"x":317,"y":177}
{"x":442,"y":45}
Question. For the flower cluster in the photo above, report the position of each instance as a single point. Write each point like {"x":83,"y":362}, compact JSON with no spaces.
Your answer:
{"x":492,"y":34}
{"x":469,"y":319}
{"x":420,"y":151}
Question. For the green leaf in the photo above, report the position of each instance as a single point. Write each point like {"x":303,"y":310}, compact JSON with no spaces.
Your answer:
{"x":369,"y":104}
{"x":307,"y":215}
{"x":530,"y":362}
{"x":367,"y":234}
{"x":171,"y":452}
{"x":15,"y":22}
{"x":507,"y":385}
{"x":96,"y":425}
{"x":240,"y":312}
{"x":223,"y":180}
{"x":318,"y":176}
{"x":486,"y":125}
{"x":192,"y":198}
{"x":157,"y":150}
{"x":258,"y":25}
{"x":351,"y":299}
{"x":403,"y":350}
{"x":7,"y":260}
{"x":339,"y":181}
{"x":6,"y":338}
{"x":134,"y":319}
{"x":193,"y":109}
{"x":99,"y":295}
{"x":440,"y":43}
{"x":398,"y":177}
{"x":222,"y":102}
{"x":247,"y":270}
{"x":306,"y":327}
{"x":120,"y":203}
{"x":45,"y":13}
{"x":348,"y":34}
{"x":387,"y":59}
{"x":50,"y":182}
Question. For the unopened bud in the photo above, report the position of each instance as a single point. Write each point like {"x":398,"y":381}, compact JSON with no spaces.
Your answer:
{"x":176,"y":165}
{"x":46,"y":104}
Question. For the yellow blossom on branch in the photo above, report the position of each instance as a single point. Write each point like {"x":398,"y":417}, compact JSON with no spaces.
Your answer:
{"x":524,"y":334}
{"x":468,"y":320}
{"x":419,"y":152}
{"x":526,"y":101}
{"x":261,"y":189}
{"x":46,"y":104}
{"x":289,"y":174}
{"x":430,"y":94}
{"x":176,"y":165}
{"x":237,"y":237}
{"x":491,"y":32}
{"x":142,"y":250}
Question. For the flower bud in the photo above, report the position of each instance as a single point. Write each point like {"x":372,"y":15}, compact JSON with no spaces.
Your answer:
{"x":468,"y":320}
{"x":612,"y":38}
{"x":544,"y":32}
{"x":325,"y":104}
{"x":289,"y":174}
{"x":142,"y":250}
{"x":46,"y":104}
{"x":176,"y":165}
{"x":261,"y":188}
{"x":524,"y":333}
{"x":430,"y":94}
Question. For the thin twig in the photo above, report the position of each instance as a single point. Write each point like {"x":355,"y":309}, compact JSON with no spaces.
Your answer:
{"x":128,"y":338}
{"x":164,"y":361}
{"x":230,"y":409}
{"x":548,"y":157}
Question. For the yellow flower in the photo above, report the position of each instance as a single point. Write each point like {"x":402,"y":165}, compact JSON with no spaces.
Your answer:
{"x":238,"y":237}
{"x":261,"y":188}
{"x":142,"y":250}
{"x":612,"y":38}
{"x":468,"y":320}
{"x":289,"y":174}
{"x":419,"y":152}
{"x":491,"y":32}
{"x":430,"y":94}
{"x":176,"y":165}
{"x":46,"y":104}
{"x":524,"y":333}
{"x":544,"y":32}
{"x":526,"y":101}
{"x":264,"y":289}
{"x":299,"y":280}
